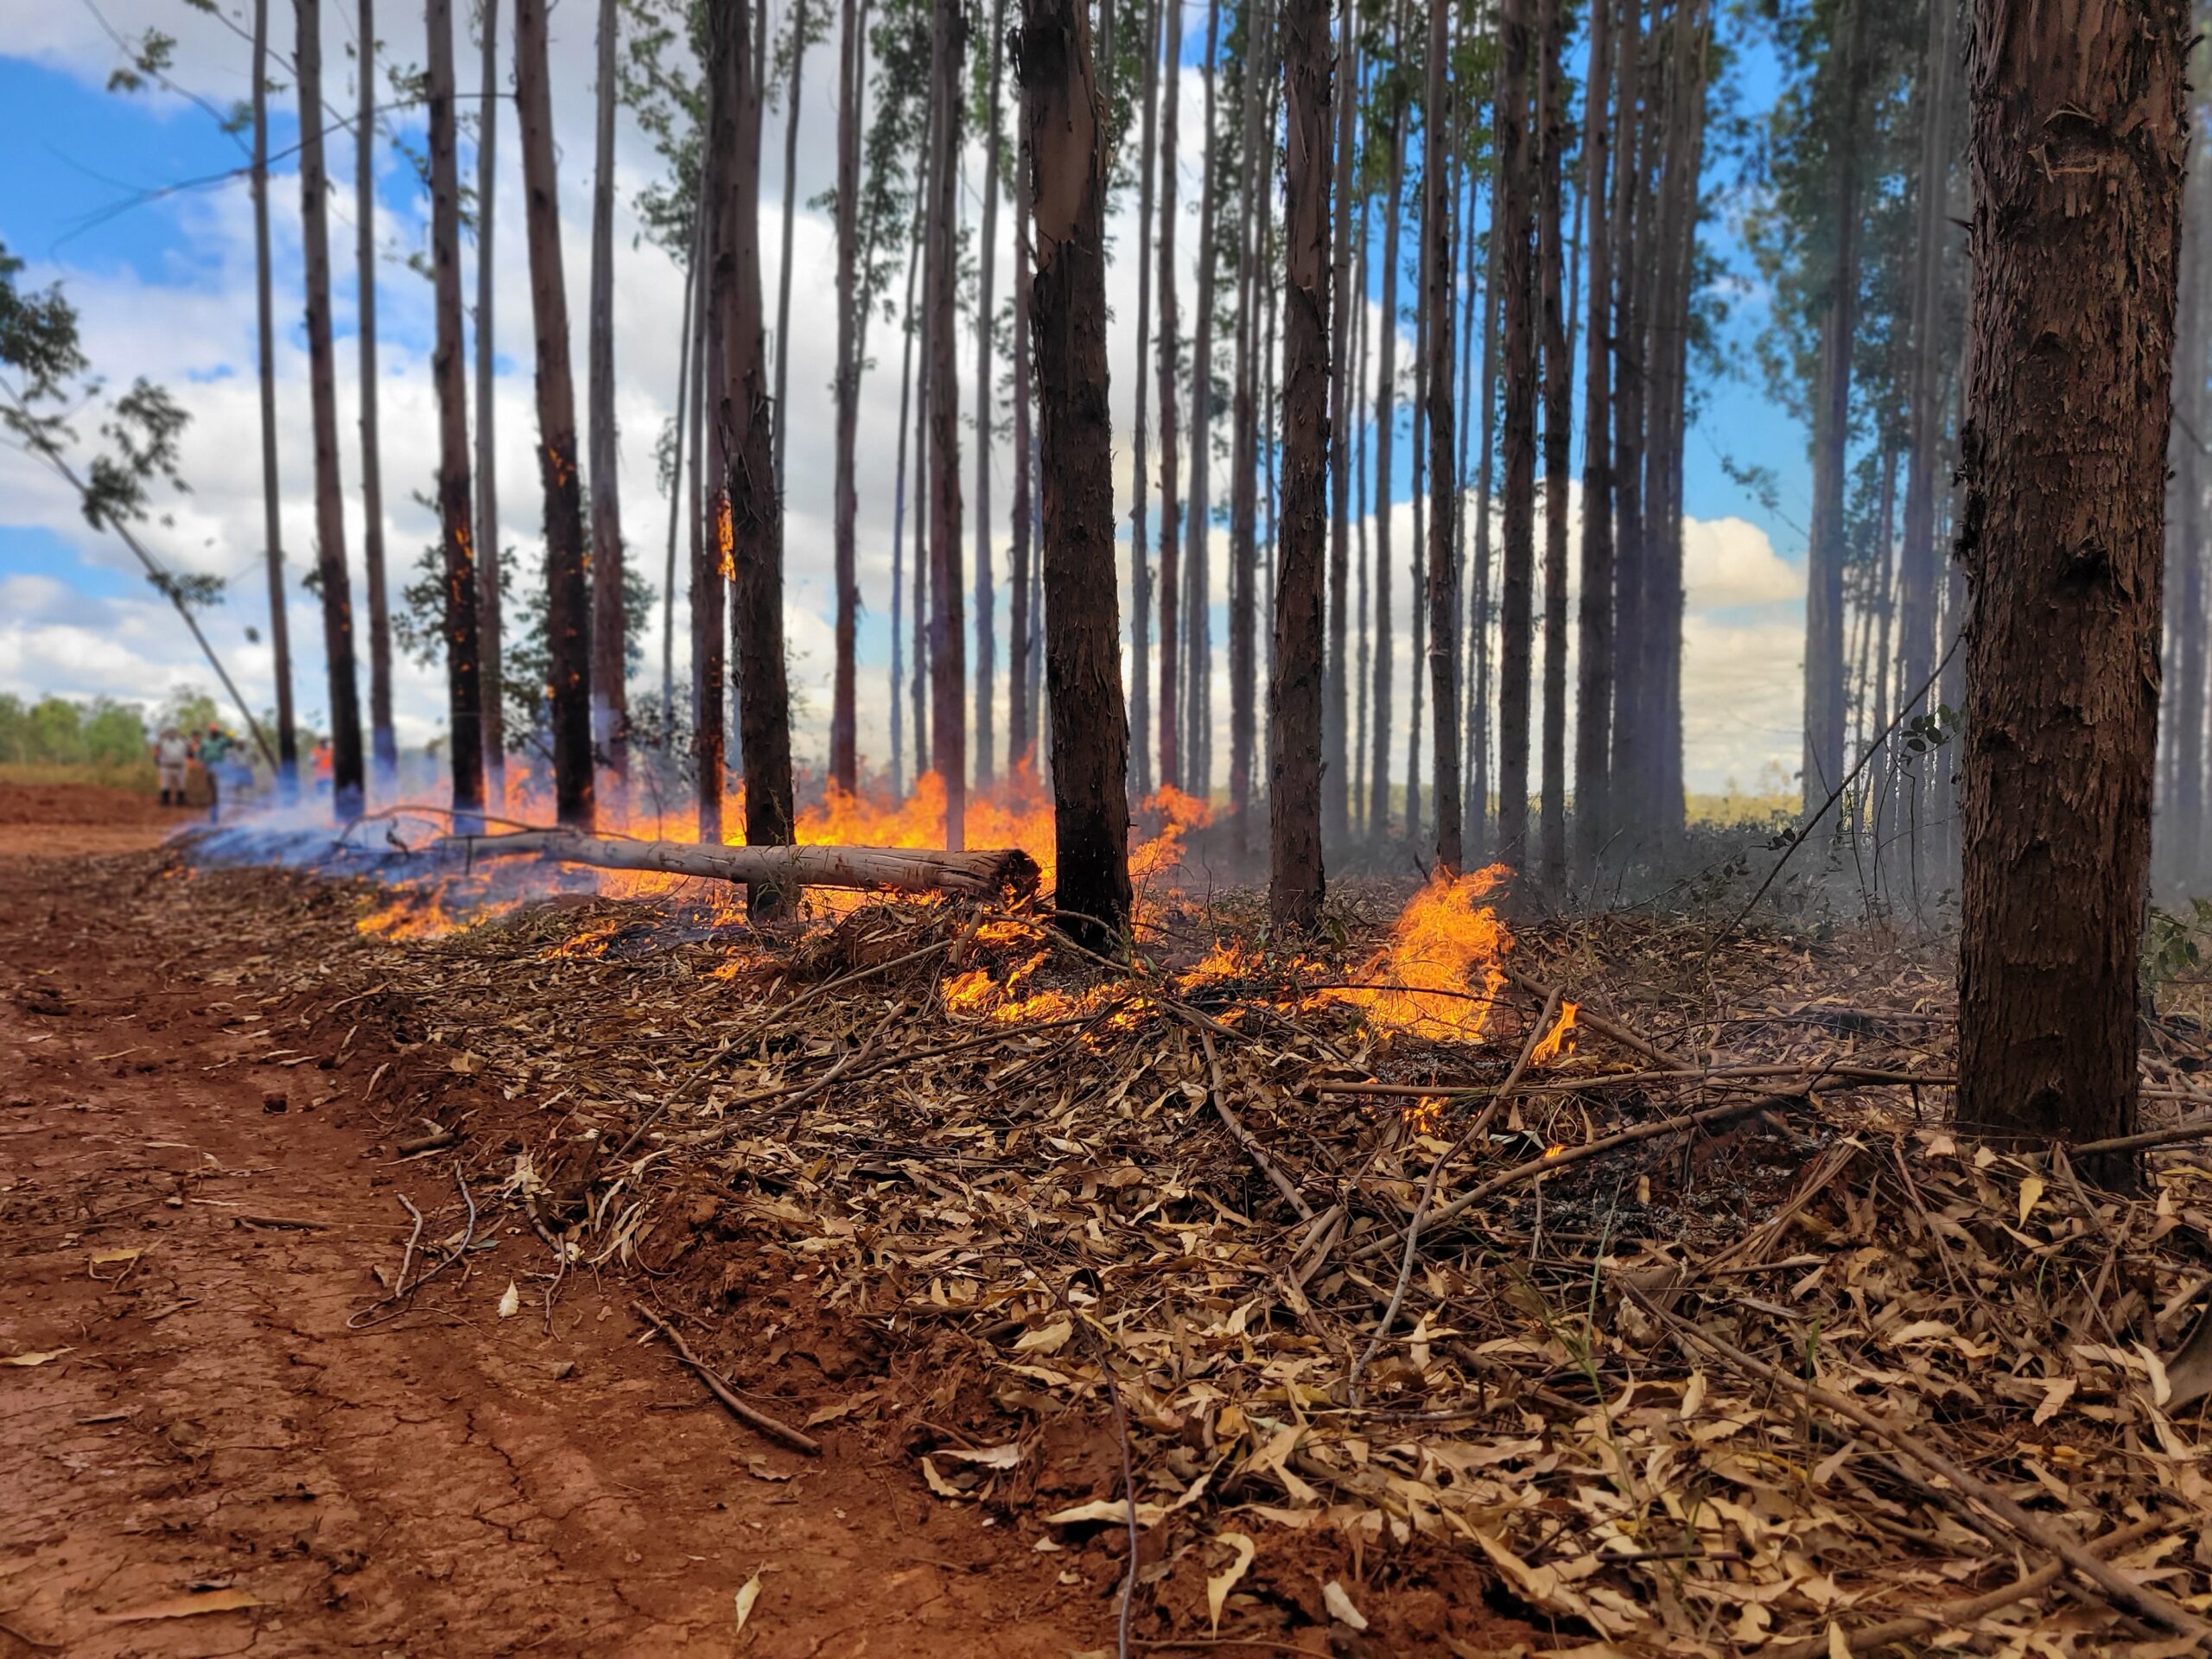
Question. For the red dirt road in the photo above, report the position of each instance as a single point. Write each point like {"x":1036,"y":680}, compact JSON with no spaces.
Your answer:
{"x":187,"y":1226}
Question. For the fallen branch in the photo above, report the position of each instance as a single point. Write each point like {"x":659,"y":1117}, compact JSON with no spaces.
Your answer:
{"x":1244,"y":1137}
{"x":1590,"y":1020}
{"x":898,"y":870}
{"x":1551,"y":1160}
{"x":1832,"y":1076}
{"x":2141,"y":1600}
{"x":1873,"y":1637}
{"x":774,"y":1429}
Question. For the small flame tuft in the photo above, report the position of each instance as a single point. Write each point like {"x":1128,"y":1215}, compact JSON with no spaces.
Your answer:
{"x":1439,"y":974}
{"x":1559,"y":1041}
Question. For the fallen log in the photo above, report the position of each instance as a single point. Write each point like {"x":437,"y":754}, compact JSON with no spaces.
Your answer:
{"x":900,"y":869}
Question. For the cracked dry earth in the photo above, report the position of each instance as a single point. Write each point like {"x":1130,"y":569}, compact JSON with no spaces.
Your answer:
{"x":211,"y":1463}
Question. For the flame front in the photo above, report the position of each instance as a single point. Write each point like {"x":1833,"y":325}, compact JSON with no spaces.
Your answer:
{"x":1560,"y":1039}
{"x":1439,"y":974}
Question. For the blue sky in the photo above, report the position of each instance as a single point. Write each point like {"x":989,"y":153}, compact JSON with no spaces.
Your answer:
{"x":165,"y":288}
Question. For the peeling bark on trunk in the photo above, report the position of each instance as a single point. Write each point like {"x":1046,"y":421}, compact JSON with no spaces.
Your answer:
{"x":272,"y":527}
{"x":2065,"y":455}
{"x":383,"y":745}
{"x":1296,"y":883}
{"x":345,"y":767}
{"x":1064,"y":119}
{"x":1444,"y":504}
{"x":744,"y":416}
{"x":610,"y":626}
{"x":491,"y":709}
{"x":464,"y":737}
{"x":568,"y":624}
{"x":948,"y":642}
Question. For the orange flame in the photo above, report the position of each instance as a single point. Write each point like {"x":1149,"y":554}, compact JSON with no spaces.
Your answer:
{"x":1424,"y":980}
{"x":1560,"y":1039}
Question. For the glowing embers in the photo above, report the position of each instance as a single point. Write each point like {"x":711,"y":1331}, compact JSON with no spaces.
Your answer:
{"x":1440,"y":973}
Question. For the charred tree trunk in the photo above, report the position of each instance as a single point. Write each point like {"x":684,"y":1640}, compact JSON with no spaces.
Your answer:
{"x":985,"y":319}
{"x":1444,"y":502}
{"x":1551,"y":139}
{"x":1296,"y":883}
{"x":1593,"y":691}
{"x":844,"y":715}
{"x":1336,"y":775}
{"x":744,"y":416}
{"x":1514,"y":228}
{"x":568,"y":623}
{"x":948,"y":645}
{"x":383,"y":745}
{"x":610,"y":626}
{"x":1083,"y":650}
{"x":1140,"y":551}
{"x":1171,"y":567}
{"x":464,"y":687}
{"x":345,"y":768}
{"x":272,"y":526}
{"x":2065,"y":455}
{"x":492,"y":711}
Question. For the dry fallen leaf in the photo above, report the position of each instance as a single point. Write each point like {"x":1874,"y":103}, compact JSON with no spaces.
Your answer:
{"x":2030,"y":1190}
{"x":1103,"y":1509}
{"x":37,"y":1359}
{"x":185,"y":1606}
{"x":1220,"y":1584}
{"x":1045,"y":1338}
{"x":1339,"y":1605}
{"x":986,"y":1456}
{"x":1693,"y":1394}
{"x":511,"y":1300}
{"x":747,"y":1594}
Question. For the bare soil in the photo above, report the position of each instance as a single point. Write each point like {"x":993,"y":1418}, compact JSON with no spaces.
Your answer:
{"x":213,"y":1462}
{"x":46,"y":820}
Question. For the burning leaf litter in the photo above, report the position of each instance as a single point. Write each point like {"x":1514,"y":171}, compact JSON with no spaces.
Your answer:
{"x":1605,"y":1378}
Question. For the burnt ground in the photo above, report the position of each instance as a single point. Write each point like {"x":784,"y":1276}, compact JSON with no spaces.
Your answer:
{"x":212,"y":1463}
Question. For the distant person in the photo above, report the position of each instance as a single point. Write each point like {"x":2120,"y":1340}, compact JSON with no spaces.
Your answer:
{"x":322,"y":766}
{"x":171,"y":755}
{"x":216,"y":747}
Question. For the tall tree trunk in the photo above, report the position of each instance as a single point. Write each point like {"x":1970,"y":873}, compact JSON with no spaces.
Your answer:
{"x":1171,"y":568}
{"x":383,"y":745}
{"x":1020,"y":723}
{"x":2065,"y":456}
{"x":272,"y":526}
{"x":491,"y":710}
{"x":745,"y":418}
{"x":710,"y":546}
{"x":1296,"y":883}
{"x":844,"y":716}
{"x":568,"y":623}
{"x":907,"y":328}
{"x":986,"y":319}
{"x":1470,"y":330}
{"x":464,"y":690}
{"x":1336,"y":775}
{"x":610,"y":623}
{"x":345,"y":768}
{"x":1594,"y":689}
{"x":779,"y":411}
{"x":1356,"y":398}
{"x":1386,"y":421}
{"x":1824,"y":561}
{"x":1485,"y":600}
{"x":1091,"y":733}
{"x":1198,"y":510}
{"x":1631,"y":288}
{"x":1917,"y":557}
{"x":2184,"y":710}
{"x":948,"y":644}
{"x":919,"y":689}
{"x":1244,"y":448}
{"x":1417,"y":552}
{"x":676,"y":496}
{"x":1444,"y":504}
{"x":1559,"y":431}
{"x":1140,"y":550}
{"x":1516,"y":172}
